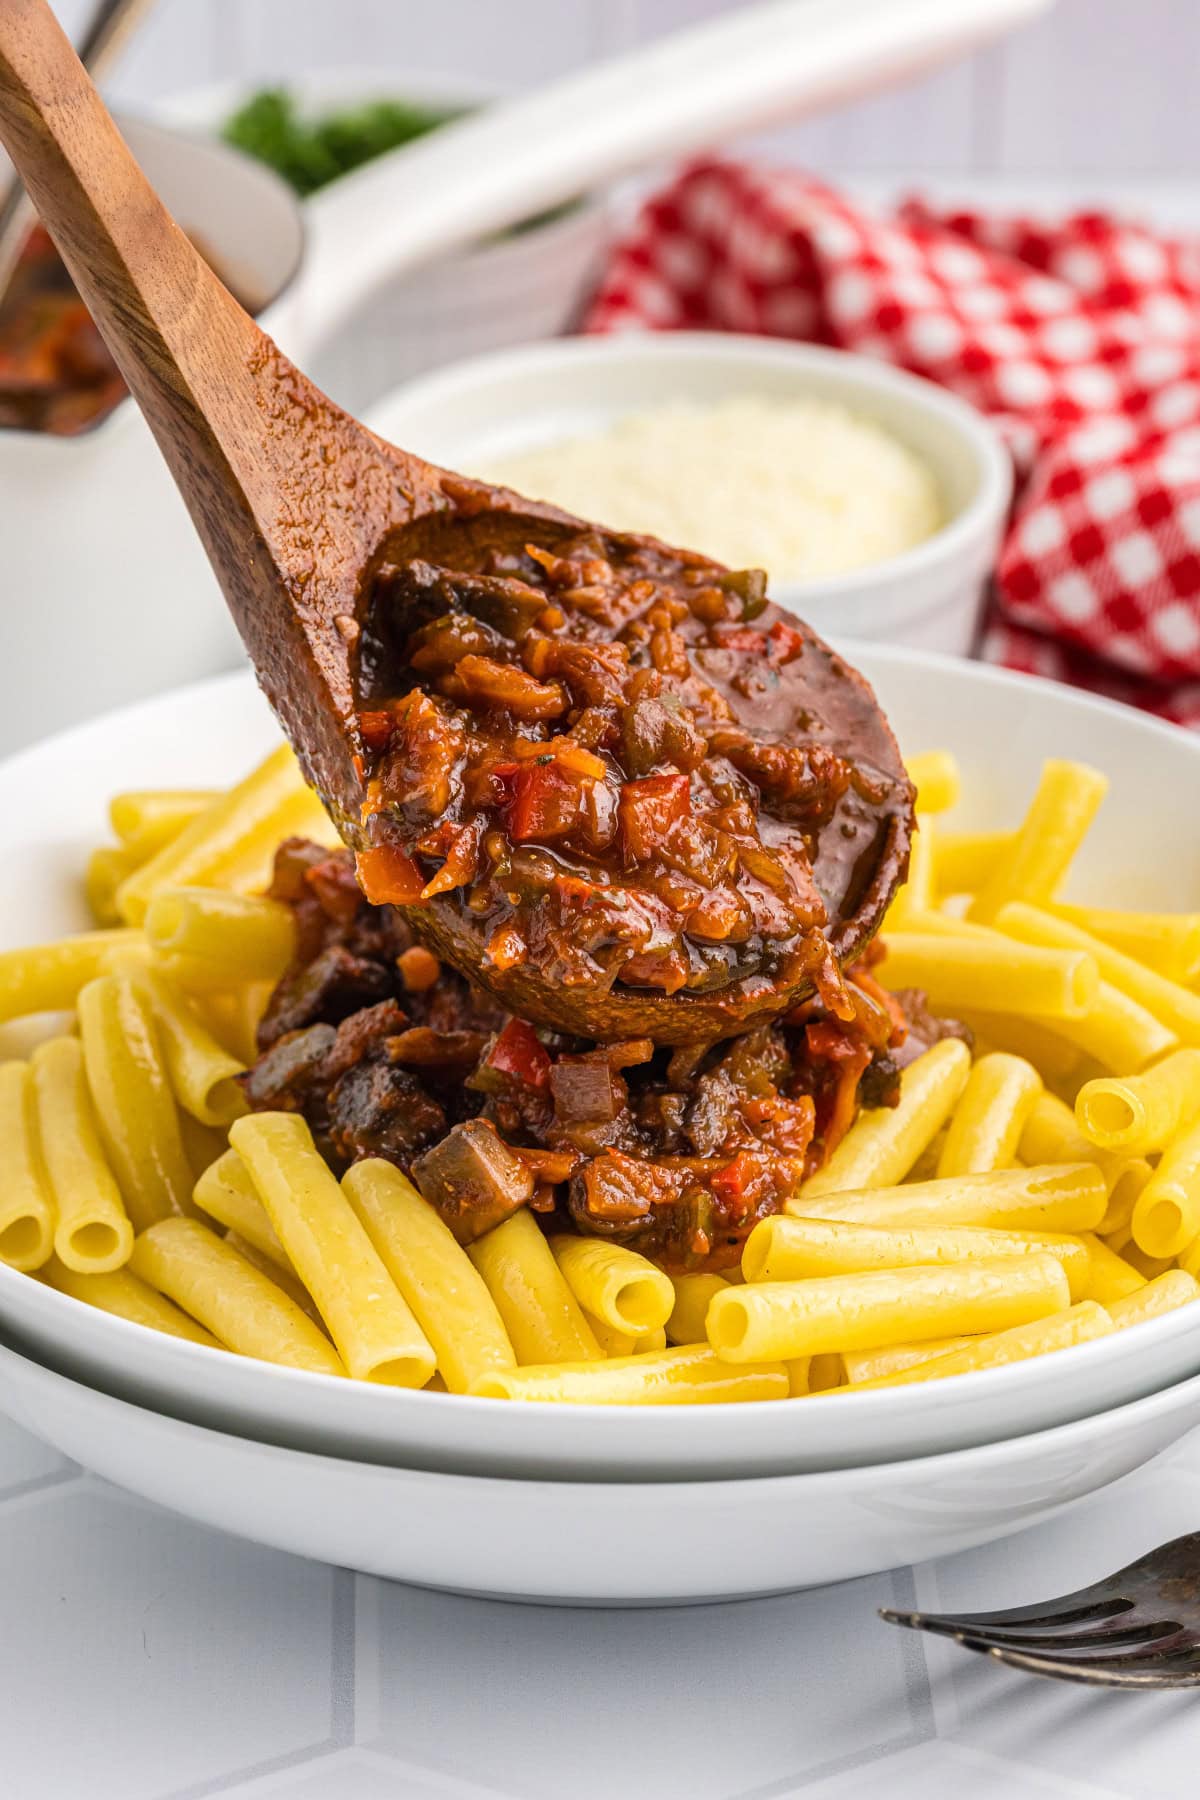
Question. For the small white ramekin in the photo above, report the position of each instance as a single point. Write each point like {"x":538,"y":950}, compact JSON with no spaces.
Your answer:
{"x":470,"y":414}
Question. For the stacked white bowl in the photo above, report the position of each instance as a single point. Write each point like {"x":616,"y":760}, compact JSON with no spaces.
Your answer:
{"x":606,"y":1504}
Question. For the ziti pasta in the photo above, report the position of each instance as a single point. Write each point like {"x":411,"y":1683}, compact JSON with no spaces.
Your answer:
{"x":266,"y":1121}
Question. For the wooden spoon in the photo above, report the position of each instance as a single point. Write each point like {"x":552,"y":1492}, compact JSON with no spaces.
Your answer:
{"x":296,"y":503}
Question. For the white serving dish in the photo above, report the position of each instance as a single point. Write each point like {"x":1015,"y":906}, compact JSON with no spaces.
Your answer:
{"x":469,"y":416}
{"x":108,"y":593}
{"x":549,"y":1541}
{"x":500,"y":290}
{"x":52,"y":804}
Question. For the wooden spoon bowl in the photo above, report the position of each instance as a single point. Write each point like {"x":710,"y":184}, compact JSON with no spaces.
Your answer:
{"x":297,"y":503}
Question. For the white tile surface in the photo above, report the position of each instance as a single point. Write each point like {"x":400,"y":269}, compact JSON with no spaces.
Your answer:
{"x":142,"y":1658}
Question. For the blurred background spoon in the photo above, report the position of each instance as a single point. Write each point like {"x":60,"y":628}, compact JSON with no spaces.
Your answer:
{"x":108,"y":30}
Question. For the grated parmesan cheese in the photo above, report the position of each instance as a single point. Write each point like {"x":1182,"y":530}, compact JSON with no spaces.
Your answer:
{"x":800,"y":488}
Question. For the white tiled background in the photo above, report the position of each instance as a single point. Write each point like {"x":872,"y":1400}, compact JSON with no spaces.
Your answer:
{"x":142,"y":1658}
{"x":1096,"y":87}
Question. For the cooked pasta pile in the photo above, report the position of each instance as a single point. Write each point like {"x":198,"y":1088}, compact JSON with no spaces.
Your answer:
{"x":1040,"y":1192}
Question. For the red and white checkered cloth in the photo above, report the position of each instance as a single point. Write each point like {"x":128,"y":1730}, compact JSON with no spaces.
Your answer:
{"x":1081,"y":339}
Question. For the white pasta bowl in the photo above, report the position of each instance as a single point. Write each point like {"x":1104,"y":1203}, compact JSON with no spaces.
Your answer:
{"x":541,"y":1540}
{"x":1144,"y":850}
{"x":473,"y":414}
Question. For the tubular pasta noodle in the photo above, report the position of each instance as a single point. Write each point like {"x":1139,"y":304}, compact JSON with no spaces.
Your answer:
{"x":248,"y":869}
{"x":1175,"y":1007}
{"x":106,"y":869}
{"x":799,"y":1368}
{"x":369,"y":1320}
{"x":686,"y":1376}
{"x":997,"y":975}
{"x":242,"y":936}
{"x":1052,"y":1056}
{"x":868,"y":1365}
{"x":1166,"y":1293}
{"x":627,"y":1291}
{"x":1111,"y":1276}
{"x":1061,"y":1197}
{"x":284,"y":1279}
{"x":127,"y":1297}
{"x":135,"y":1110}
{"x":784,"y":1248}
{"x":202,"y":1144}
{"x":1067,"y":799}
{"x":1078,"y":1325}
{"x":1166,"y":942}
{"x":1052,"y":1135}
{"x":1166,"y":1215}
{"x":884,"y":1142}
{"x":544,"y":1321}
{"x":824,"y":1372}
{"x":147,"y":818}
{"x":1116,"y":1031}
{"x":227,"y":1194}
{"x":760,"y":1322}
{"x":48,"y":977}
{"x":986,"y":1125}
{"x":201,"y":1072}
{"x":692,"y":1295}
{"x":220,"y":838}
{"x":917,"y":893}
{"x":433,"y":1272}
{"x":966,"y":859}
{"x":92,"y":1234}
{"x":1141,"y":1113}
{"x":1149,"y":1266}
{"x":935,"y":775}
{"x":241,"y":1306}
{"x":26,"y":1203}
{"x":610,"y":1340}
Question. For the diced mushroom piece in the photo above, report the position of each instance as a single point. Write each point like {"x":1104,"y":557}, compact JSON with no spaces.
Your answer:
{"x":585,"y":1091}
{"x":335,"y":984}
{"x":473,"y":1179}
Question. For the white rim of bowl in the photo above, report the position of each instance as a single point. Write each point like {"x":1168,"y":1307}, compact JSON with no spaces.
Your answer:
{"x":1000,"y":1450}
{"x":985,"y":510}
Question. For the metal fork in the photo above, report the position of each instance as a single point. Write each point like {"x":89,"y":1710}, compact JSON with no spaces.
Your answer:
{"x":1139,"y":1628}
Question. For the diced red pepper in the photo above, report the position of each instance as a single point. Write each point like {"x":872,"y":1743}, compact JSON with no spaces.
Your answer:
{"x":518,"y":1052}
{"x":648,"y":809}
{"x":784,"y":642}
{"x":740,"y":637}
{"x":388,"y":876}
{"x":543,"y":801}
{"x":733,"y":1186}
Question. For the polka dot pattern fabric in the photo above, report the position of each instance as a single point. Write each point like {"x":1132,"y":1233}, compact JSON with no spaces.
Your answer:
{"x":1079,"y":338}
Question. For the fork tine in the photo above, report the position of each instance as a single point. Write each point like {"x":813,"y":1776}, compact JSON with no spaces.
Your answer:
{"x":1144,"y":1635}
{"x":1164,"y":1639}
{"x":1088,"y":1606}
{"x":1175,"y":1671}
